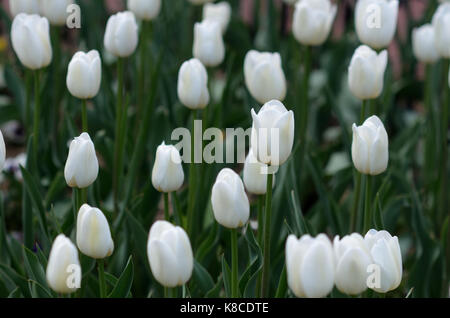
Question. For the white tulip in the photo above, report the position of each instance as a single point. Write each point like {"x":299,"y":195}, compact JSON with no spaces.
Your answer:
{"x":84,"y":74}
{"x":441,"y":24}
{"x":167,"y":173}
{"x":121,"y":35}
{"x":30,"y":39}
{"x":313,"y":20}
{"x":264,"y":76}
{"x":198,"y":2}
{"x":81,"y":168}
{"x":192,"y":85}
{"x":352,"y":260}
{"x":376,"y":22}
{"x":63,"y":266}
{"x":272,"y":135}
{"x":366,"y":73}
{"x":208,"y":43}
{"x":424,"y":44}
{"x":229,"y":201}
{"x":255,"y":175}
{"x":93,"y":233}
{"x":23,"y":6}
{"x":310,"y":265}
{"x":170,"y":254}
{"x":370,"y":147}
{"x":145,"y":9}
{"x":55,"y":10}
{"x":2,"y":152}
{"x":220,"y":12}
{"x":385,"y":252}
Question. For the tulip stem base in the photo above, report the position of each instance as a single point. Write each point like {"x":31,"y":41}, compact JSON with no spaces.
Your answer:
{"x":267,"y":222}
{"x":234,"y":264}
{"x":166,"y":207}
{"x":84,"y":118}
{"x":367,"y":205}
{"x":101,"y":278}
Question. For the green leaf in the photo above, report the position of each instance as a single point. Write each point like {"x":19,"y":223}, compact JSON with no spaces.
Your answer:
{"x":19,"y":280}
{"x":34,"y":269}
{"x":251,"y":275}
{"x":123,"y":285}
{"x":16,"y":293}
{"x":226,"y":275}
{"x":201,"y":282}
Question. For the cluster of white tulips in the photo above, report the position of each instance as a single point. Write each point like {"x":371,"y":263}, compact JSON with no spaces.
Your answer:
{"x":314,"y":265}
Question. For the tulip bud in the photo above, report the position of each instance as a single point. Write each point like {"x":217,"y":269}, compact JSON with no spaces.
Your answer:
{"x":167,"y":173}
{"x":272,"y":133}
{"x":2,"y":152}
{"x":441,"y":24}
{"x":264,"y":76}
{"x":229,"y":201}
{"x":170,"y":254}
{"x":198,"y":2}
{"x":121,"y":35}
{"x":84,"y":74}
{"x":313,"y":20}
{"x":255,"y":175}
{"x":208,"y":43}
{"x":193,"y":85}
{"x":310,"y":265}
{"x":145,"y":9}
{"x":376,"y":22}
{"x":55,"y":10}
{"x":81,"y":168}
{"x":366,"y":73}
{"x":370,"y":145}
{"x":352,"y":261}
{"x":220,"y":12}
{"x":23,"y":6}
{"x":30,"y":39}
{"x":385,"y":252}
{"x":424,"y":44}
{"x":63,"y":266}
{"x":93,"y":234}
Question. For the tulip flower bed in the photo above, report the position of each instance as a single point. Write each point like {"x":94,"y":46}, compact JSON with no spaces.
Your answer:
{"x":238,"y":148}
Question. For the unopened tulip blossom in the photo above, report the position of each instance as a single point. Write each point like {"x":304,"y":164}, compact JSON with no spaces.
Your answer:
{"x":208,"y":44}
{"x":310,"y":265}
{"x":55,"y":10}
{"x":145,"y":9}
{"x":424,"y":44}
{"x":220,"y":12}
{"x":441,"y":24}
{"x":84,"y":74}
{"x":376,"y":22}
{"x":121,"y":35}
{"x":192,"y":84}
{"x":264,"y":76}
{"x":63,"y":268}
{"x":255,"y":175}
{"x":313,"y":20}
{"x":170,"y":254}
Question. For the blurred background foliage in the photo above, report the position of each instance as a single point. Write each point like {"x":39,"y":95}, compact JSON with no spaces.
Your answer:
{"x":316,"y":198}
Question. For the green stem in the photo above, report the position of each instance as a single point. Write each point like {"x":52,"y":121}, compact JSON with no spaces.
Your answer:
{"x":302,"y":118}
{"x":443,"y":211}
{"x":101,"y":278}
{"x":176,"y":210}
{"x":166,"y":207}
{"x":118,"y":133}
{"x":260,"y":220}
{"x":192,"y":181}
{"x":362,"y":116}
{"x":37,"y":113}
{"x":84,"y":118}
{"x":166,"y":292}
{"x":267,"y":223}
{"x":234,"y":265}
{"x":142,"y":72}
{"x":28,"y":88}
{"x":368,"y":205}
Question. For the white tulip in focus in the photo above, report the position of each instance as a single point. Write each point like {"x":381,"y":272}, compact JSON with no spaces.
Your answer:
{"x":264,"y":76}
{"x":121,"y":35}
{"x":255,"y":175}
{"x":81,"y":168}
{"x":424,"y":44}
{"x":385,"y":252}
{"x":370,"y":147}
{"x":93,"y":233}
{"x":220,"y":12}
{"x":167,"y":173}
{"x":30,"y":37}
{"x":376,"y":22}
{"x":145,"y":9}
{"x":310,"y":265}
{"x":55,"y":10}
{"x":208,"y":43}
{"x":84,"y":74}
{"x":63,"y":268}
{"x":352,"y":260}
{"x":313,"y":20}
{"x":441,"y":24}
{"x":170,"y":254}
{"x":23,"y":6}
{"x":229,"y":200}
{"x":192,"y":85}
{"x":198,"y":2}
{"x":366,"y":72}
{"x":2,"y":152}
{"x":272,"y":133}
